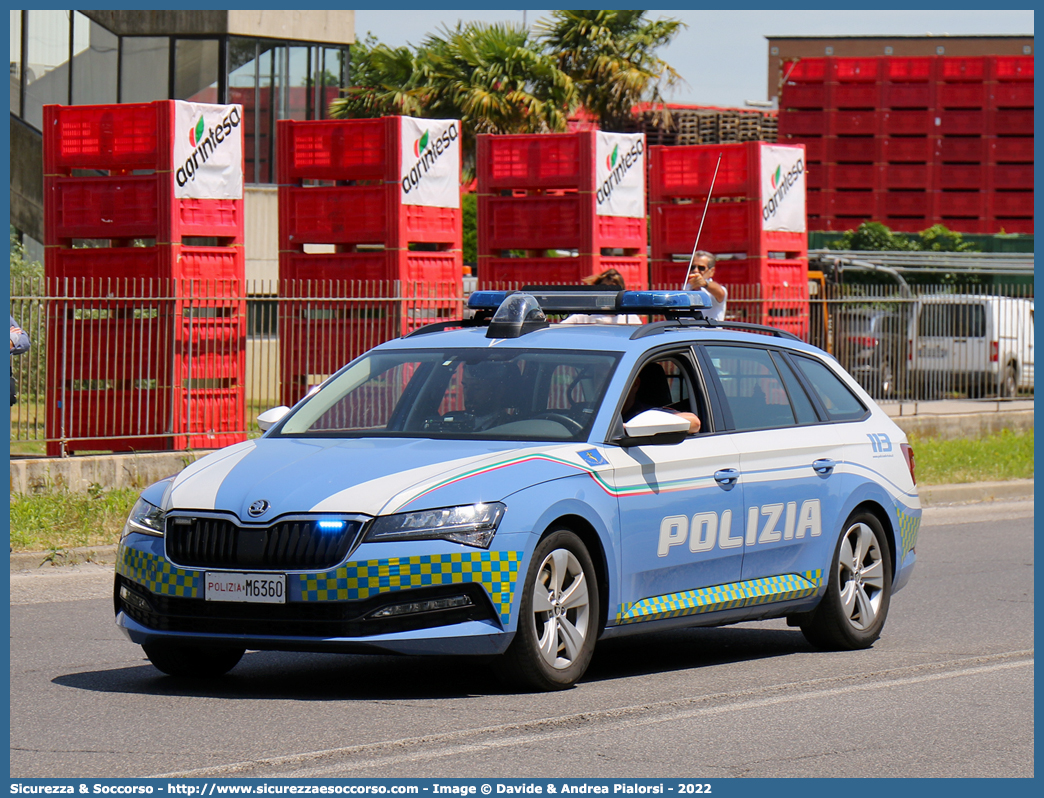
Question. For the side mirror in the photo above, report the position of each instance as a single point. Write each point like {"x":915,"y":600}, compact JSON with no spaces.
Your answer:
{"x":654,"y":427}
{"x":269,"y":417}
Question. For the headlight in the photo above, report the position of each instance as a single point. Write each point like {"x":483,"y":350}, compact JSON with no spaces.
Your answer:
{"x":146,"y":518}
{"x":470,"y":524}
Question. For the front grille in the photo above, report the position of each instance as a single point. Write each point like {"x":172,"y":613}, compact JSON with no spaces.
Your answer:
{"x":299,"y":619}
{"x":297,"y":544}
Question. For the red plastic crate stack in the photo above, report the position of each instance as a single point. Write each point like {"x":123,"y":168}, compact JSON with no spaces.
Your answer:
{"x":679,"y":180}
{"x":537,"y":193}
{"x":108,"y":189}
{"x":1010,"y":144}
{"x":339,"y":190}
{"x":915,"y":141}
{"x":905,"y":164}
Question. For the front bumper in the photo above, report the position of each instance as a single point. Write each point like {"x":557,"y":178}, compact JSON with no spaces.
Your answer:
{"x":326,"y":611}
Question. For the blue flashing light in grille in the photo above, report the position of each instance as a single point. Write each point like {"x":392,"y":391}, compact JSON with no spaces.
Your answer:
{"x":331,"y":526}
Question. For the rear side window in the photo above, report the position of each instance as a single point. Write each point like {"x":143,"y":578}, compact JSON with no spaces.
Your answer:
{"x":753,"y":389}
{"x":952,"y":320}
{"x":838,"y":401}
{"x":806,"y":414}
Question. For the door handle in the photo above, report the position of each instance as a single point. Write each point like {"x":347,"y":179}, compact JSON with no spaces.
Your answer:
{"x":726,"y":477}
{"x":824,"y":466}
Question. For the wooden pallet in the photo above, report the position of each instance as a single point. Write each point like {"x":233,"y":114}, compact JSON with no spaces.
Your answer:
{"x":708,"y":126}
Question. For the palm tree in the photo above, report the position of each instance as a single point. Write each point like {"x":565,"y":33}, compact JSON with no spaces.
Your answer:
{"x":610,"y":55}
{"x":494,"y":79}
{"x":383,"y":82}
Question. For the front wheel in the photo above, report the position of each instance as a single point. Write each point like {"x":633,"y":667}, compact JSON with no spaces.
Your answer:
{"x":852,"y":613}
{"x":196,"y":662}
{"x":558,"y":620}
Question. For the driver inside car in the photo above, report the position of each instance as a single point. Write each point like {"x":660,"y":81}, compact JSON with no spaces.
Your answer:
{"x":486,"y":390}
{"x":651,"y":391}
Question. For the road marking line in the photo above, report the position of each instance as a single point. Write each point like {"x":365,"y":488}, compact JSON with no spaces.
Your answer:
{"x":615,"y":717}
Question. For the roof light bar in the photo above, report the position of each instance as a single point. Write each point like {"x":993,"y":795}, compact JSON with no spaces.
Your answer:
{"x":580,"y":299}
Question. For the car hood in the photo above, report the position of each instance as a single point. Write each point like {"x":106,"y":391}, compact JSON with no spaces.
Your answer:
{"x":373,"y":476}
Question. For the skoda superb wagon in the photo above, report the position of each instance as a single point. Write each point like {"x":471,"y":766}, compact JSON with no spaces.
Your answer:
{"x":504,"y":486}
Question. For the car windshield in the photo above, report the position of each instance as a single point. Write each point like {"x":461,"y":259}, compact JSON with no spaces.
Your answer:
{"x":498,"y":394}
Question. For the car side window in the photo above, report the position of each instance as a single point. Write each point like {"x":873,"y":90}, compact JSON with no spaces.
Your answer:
{"x":836,"y":397}
{"x":803,"y":409}
{"x":665,"y":383}
{"x":754,"y":392}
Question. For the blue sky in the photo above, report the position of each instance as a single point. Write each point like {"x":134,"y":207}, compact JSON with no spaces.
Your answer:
{"x":723,"y":55}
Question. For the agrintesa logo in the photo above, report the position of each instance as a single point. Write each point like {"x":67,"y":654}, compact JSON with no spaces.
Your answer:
{"x":420,"y":145}
{"x":196,"y":133}
{"x":205,"y":142}
{"x":428,"y":150}
{"x":776,"y":176}
{"x":618,"y":164}
{"x":781,"y":182}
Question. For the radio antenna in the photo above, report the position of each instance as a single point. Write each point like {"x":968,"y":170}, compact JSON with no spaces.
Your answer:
{"x":706,"y":205}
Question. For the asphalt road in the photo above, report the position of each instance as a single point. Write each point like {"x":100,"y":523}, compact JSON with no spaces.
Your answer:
{"x":946,"y":692}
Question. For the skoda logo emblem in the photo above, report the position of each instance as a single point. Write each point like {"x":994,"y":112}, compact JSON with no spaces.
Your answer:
{"x":260,"y":507}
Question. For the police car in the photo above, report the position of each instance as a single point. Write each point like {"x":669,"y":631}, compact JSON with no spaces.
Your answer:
{"x":506,"y":486}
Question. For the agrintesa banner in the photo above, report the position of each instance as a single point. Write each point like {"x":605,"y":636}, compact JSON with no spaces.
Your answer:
{"x":783,"y":189}
{"x":620,"y":174}
{"x":208,"y":151}
{"x":431,"y":162}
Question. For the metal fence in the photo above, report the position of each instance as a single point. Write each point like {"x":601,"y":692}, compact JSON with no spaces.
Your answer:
{"x":152,"y":365}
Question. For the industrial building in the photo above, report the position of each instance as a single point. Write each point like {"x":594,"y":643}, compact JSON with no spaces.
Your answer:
{"x":277,"y":64}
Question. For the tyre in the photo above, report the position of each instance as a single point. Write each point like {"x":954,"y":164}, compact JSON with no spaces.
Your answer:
{"x":885,"y":380}
{"x":196,"y":662}
{"x":1008,"y":385}
{"x":558,"y":620}
{"x":852,"y":613}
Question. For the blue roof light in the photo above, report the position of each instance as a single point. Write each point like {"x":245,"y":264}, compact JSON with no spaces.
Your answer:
{"x":487,"y":300}
{"x":659,"y":301}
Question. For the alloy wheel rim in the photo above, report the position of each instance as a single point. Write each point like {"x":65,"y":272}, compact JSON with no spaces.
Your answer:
{"x":561,"y":608}
{"x":861,"y":576}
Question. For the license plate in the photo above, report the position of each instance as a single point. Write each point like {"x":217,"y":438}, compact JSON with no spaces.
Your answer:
{"x":245,"y":587}
{"x":932,"y":351}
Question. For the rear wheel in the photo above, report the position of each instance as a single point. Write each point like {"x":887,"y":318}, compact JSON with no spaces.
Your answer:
{"x":883,"y":381}
{"x":558,"y":620}
{"x":197,"y":662}
{"x":852,"y":613}
{"x":1008,"y":384}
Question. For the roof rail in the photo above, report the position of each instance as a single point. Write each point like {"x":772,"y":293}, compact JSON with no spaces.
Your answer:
{"x":479,"y":320}
{"x":657,"y":327}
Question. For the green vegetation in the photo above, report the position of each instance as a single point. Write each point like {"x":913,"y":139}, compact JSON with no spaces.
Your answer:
{"x":1008,"y":455}
{"x":21,"y":268}
{"x":610,"y":55}
{"x":504,"y":78}
{"x":469,"y":225}
{"x":876,"y":237}
{"x":58,"y":520}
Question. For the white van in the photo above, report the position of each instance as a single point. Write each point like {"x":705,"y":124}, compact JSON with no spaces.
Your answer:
{"x":978,"y":344}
